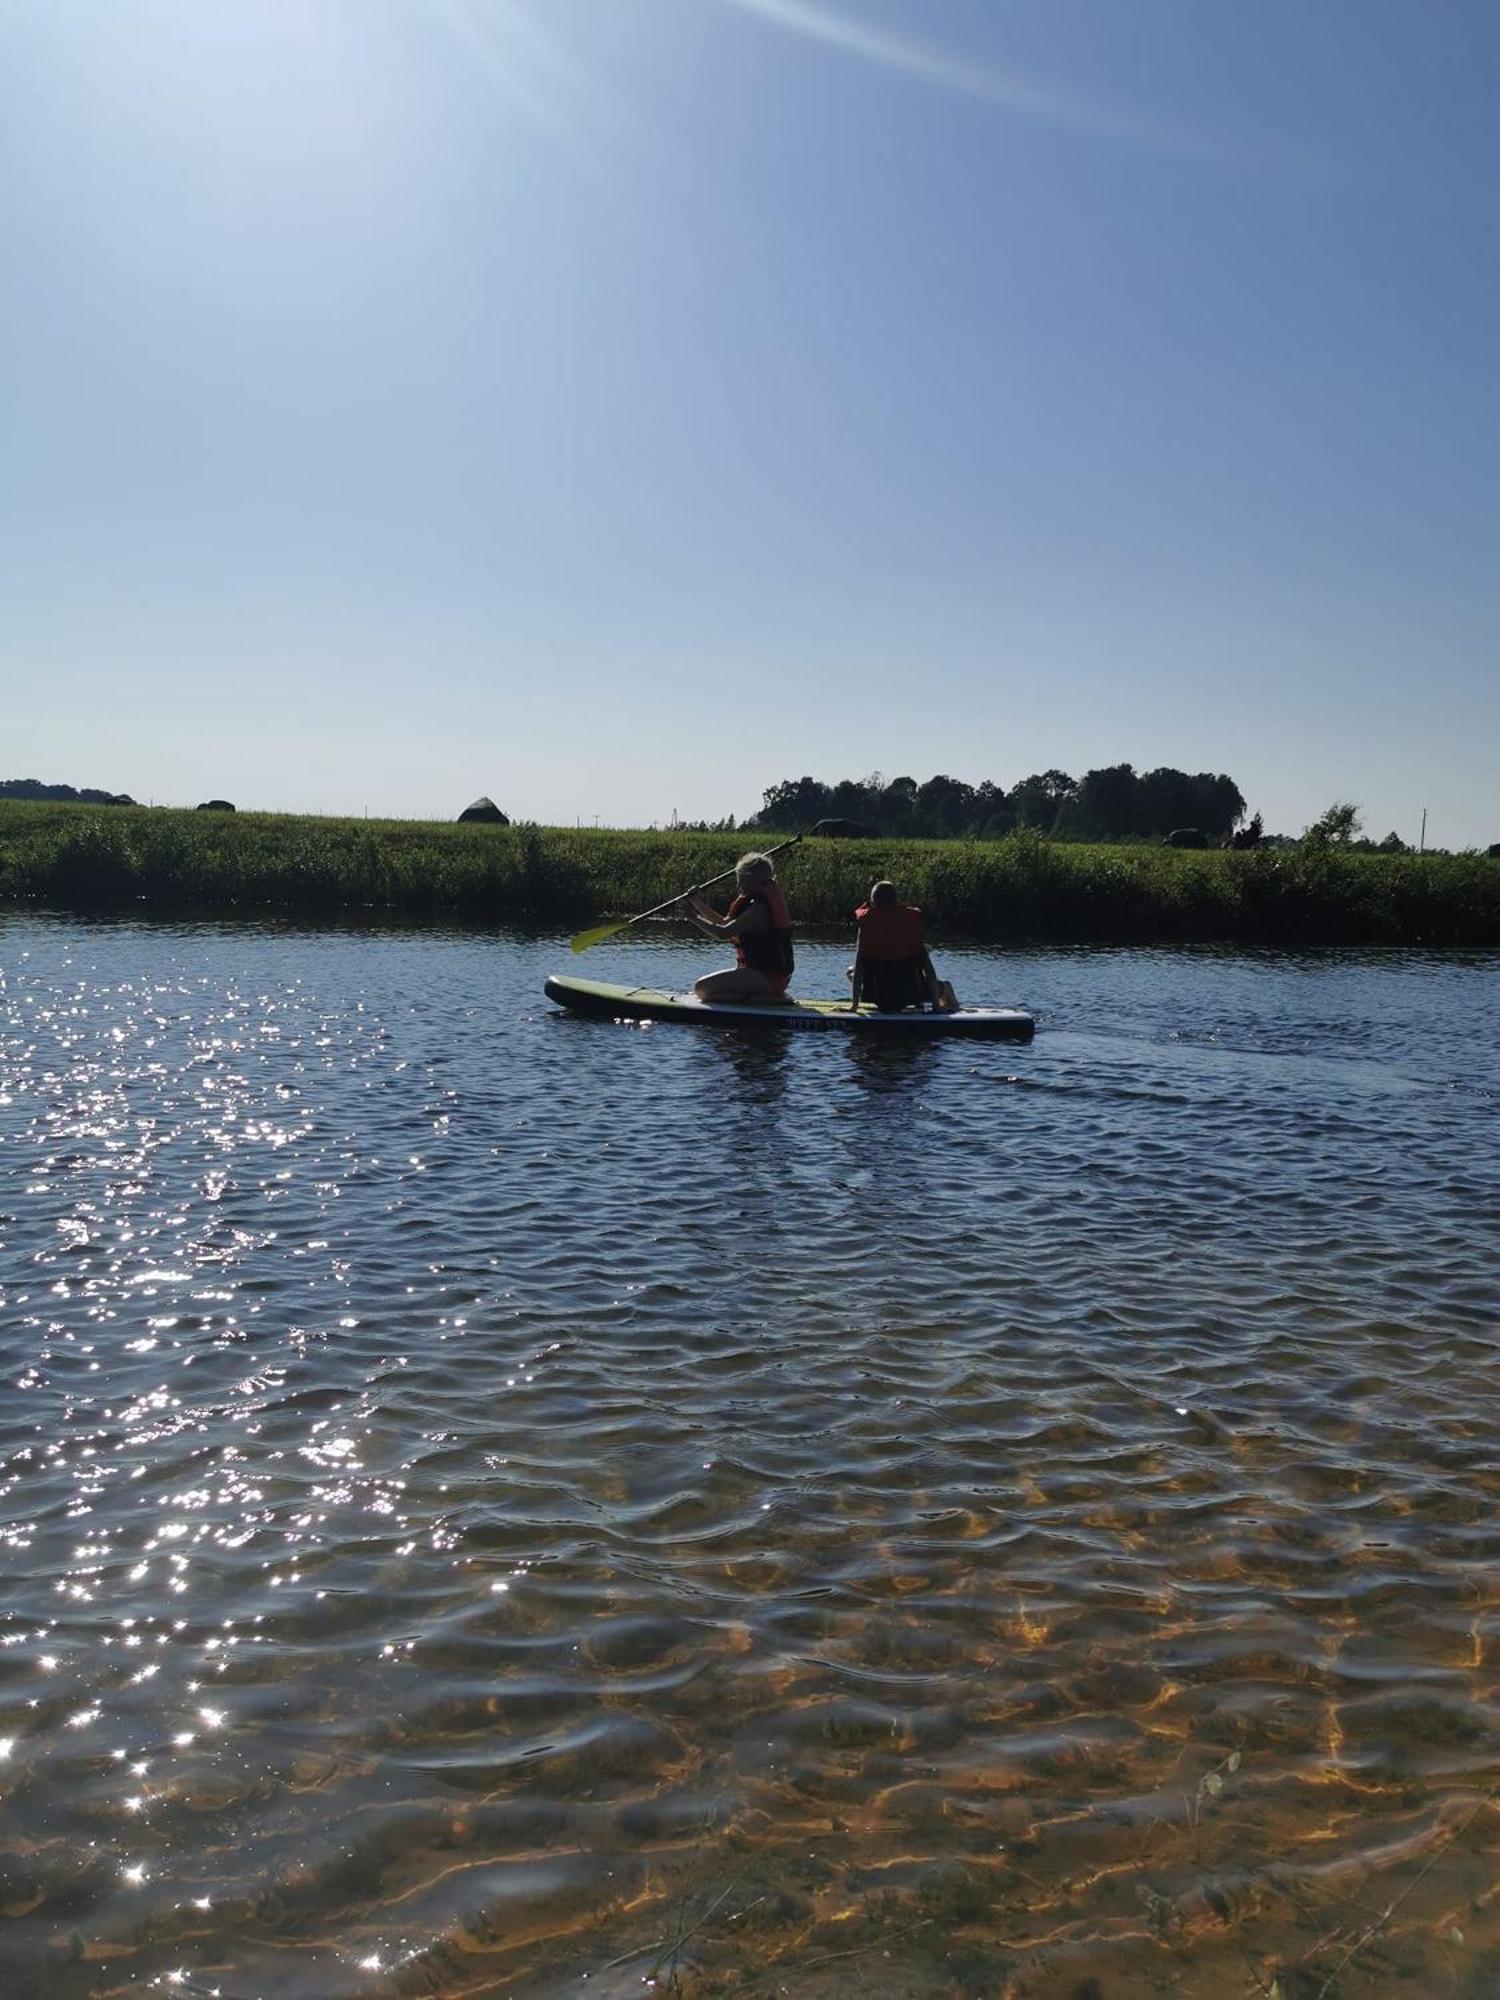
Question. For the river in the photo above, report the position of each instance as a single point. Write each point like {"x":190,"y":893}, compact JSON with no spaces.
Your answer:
{"x":500,"y":1503}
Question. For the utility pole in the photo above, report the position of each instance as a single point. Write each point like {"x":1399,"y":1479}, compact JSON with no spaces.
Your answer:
{"x":1422,"y":836}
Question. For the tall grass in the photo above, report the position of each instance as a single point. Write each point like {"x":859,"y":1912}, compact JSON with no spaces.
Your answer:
{"x":1024,"y":886}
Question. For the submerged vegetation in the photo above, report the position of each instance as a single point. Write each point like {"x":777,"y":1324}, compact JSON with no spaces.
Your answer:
{"x":1021,"y":886}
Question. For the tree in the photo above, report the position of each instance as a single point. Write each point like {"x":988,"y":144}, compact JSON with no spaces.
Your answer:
{"x":1218,"y":804}
{"x":89,"y":795}
{"x":793,"y":803}
{"x":1111,"y":803}
{"x":1167,"y":799}
{"x":945,"y":805}
{"x":1336,"y":827}
{"x":1251,"y":835}
{"x":1036,"y":800}
{"x":1105,"y":807}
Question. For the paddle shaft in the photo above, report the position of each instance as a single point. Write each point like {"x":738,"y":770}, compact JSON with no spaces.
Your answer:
{"x":586,"y":938}
{"x":698,"y":887}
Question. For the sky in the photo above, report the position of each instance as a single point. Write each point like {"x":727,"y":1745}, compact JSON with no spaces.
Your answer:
{"x":619,"y":406}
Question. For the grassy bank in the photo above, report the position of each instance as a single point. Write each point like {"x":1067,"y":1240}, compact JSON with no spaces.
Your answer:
{"x":86,"y":857}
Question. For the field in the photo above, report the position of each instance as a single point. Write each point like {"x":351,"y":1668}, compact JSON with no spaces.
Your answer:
{"x":88,"y":857}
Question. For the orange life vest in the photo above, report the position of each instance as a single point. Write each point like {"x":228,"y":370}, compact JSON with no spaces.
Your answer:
{"x":891,"y":930}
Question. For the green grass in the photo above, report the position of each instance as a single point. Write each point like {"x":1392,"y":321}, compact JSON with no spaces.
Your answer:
{"x":90,"y":857}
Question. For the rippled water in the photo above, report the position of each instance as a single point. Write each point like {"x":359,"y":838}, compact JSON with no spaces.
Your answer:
{"x":496,"y":1503}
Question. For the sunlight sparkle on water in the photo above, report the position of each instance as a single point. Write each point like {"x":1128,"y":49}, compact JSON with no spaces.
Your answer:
{"x":833,"y":1537}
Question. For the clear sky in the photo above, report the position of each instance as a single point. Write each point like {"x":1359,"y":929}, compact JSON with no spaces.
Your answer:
{"x":617,"y":406}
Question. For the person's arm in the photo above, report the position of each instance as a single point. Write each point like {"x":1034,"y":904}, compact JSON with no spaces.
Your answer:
{"x":754,"y":917}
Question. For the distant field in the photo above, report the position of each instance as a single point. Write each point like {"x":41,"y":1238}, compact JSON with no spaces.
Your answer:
{"x":89,"y":857}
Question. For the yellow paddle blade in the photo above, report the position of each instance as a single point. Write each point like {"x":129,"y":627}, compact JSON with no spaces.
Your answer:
{"x":596,"y":936}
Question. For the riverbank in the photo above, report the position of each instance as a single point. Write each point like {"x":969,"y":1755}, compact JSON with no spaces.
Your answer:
{"x":85,"y":857}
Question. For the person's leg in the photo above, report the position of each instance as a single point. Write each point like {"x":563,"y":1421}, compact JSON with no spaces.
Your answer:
{"x":736,"y":982}
{"x":897,"y":984}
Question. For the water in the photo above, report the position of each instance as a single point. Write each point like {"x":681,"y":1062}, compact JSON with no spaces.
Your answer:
{"x":496,"y":1503}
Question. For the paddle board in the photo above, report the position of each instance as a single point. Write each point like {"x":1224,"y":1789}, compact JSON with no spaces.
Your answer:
{"x":648,"y":1003}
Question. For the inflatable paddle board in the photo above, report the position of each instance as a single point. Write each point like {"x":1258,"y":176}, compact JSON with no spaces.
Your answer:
{"x":648,"y":1003}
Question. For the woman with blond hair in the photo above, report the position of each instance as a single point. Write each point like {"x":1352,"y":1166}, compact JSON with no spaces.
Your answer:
{"x":758,"y":922}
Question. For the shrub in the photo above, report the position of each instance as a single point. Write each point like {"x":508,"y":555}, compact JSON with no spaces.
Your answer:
{"x":1023,"y":885}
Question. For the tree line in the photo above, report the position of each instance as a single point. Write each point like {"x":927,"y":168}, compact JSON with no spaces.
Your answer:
{"x":1113,"y":803}
{"x":88,"y":795}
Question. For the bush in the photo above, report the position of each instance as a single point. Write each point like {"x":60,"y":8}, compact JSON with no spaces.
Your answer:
{"x":1023,"y":885}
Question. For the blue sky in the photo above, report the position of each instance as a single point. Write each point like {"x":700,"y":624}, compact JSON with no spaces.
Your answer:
{"x":617,"y":406}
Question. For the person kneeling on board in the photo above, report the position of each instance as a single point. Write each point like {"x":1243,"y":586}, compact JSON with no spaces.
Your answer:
{"x":891,"y":967}
{"x":758,"y":922}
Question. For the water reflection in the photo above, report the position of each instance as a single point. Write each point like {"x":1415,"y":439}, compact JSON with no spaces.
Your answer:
{"x":878,"y":1065}
{"x":752,"y":1067}
{"x":494,"y":1503}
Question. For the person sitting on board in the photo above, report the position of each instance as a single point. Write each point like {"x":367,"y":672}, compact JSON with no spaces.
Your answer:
{"x":758,"y":922}
{"x":891,"y":966}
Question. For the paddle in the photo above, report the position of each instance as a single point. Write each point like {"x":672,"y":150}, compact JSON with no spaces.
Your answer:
{"x":602,"y":931}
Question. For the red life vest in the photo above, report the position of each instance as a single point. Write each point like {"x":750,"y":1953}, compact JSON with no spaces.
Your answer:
{"x":768,"y":951}
{"x":890,"y":930}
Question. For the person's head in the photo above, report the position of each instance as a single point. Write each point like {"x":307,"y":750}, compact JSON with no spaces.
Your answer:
{"x":882,"y":895}
{"x":752,"y":871}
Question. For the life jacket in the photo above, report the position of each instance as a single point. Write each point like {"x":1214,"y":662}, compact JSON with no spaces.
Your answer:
{"x":890,"y":930}
{"x":768,"y":951}
{"x":893,"y":963}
